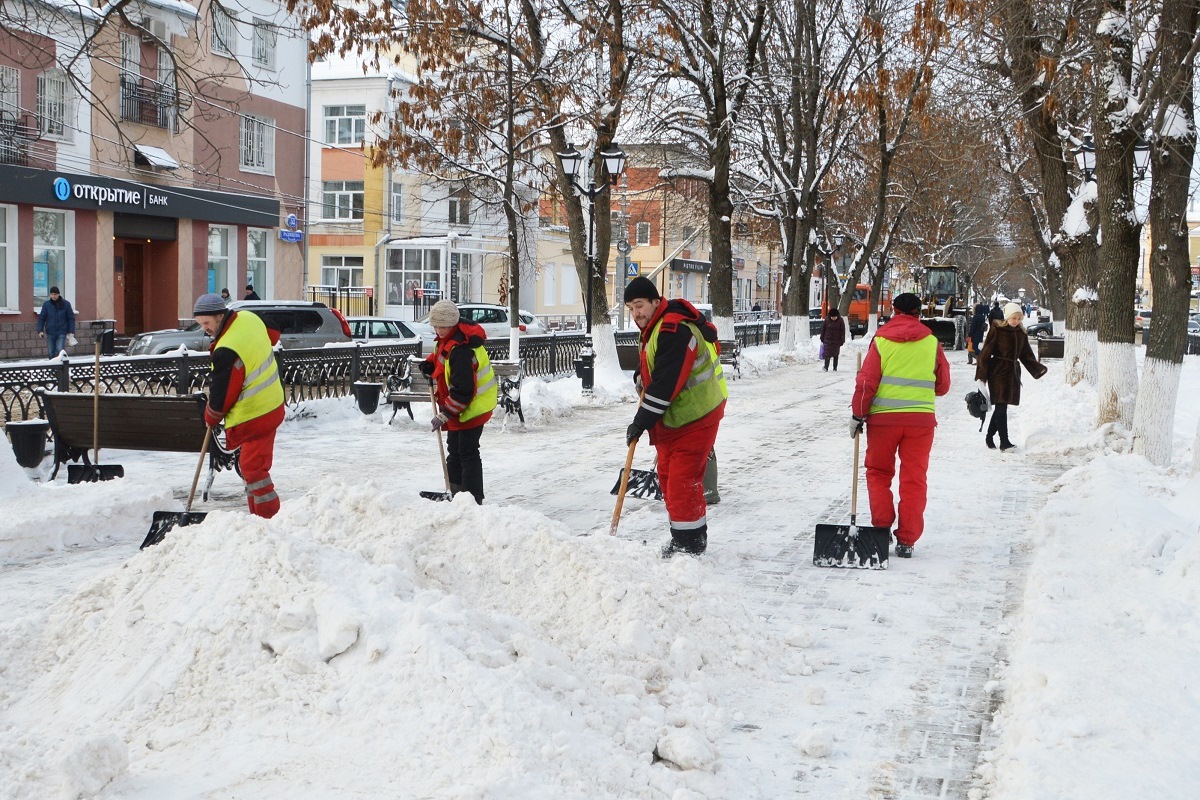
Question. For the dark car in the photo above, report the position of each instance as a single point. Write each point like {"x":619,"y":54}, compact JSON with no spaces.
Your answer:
{"x":1041,"y":330}
{"x":300,"y":324}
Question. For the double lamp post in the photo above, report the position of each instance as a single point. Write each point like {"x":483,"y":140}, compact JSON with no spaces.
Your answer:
{"x":572,"y":162}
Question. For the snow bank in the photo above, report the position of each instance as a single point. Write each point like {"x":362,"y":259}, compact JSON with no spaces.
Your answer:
{"x":475,"y":651}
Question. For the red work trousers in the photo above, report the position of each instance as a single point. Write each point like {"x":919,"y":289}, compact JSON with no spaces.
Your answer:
{"x":682,"y":460}
{"x":912,"y":443}
{"x":255,"y":460}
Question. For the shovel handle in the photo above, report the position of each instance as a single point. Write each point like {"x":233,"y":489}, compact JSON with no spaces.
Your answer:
{"x":199,"y":466}
{"x":612,"y":529}
{"x":854,"y":482}
{"x":96,"y":410}
{"x":438,"y":432}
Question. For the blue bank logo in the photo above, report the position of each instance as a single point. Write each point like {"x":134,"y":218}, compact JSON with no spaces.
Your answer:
{"x":62,"y":189}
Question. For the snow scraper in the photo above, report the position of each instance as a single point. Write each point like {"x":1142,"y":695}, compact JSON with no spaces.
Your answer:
{"x":855,"y":546}
{"x":446,"y":495}
{"x":164,"y":521}
{"x":642,"y":483}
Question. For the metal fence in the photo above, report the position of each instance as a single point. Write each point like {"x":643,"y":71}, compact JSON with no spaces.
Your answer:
{"x":307,"y":374}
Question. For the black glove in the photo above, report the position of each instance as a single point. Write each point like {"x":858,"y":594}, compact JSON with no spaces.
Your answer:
{"x":633,"y":433}
{"x":427,"y":369}
{"x":856,"y":426}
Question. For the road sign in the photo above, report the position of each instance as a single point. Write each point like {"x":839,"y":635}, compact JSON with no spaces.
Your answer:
{"x":633,"y":269}
{"x":623,"y":247}
{"x":291,"y":236}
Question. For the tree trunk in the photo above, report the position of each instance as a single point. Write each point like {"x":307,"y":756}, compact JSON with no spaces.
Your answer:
{"x":1173,"y":146}
{"x":1117,"y":383}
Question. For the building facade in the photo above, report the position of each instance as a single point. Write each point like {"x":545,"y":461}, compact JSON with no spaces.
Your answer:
{"x":161,"y":162}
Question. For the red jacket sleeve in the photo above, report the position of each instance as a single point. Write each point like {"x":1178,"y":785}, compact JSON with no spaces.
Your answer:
{"x":941,"y":374}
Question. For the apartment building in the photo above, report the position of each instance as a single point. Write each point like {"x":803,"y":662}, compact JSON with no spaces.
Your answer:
{"x":386,"y":240}
{"x":163,"y":161}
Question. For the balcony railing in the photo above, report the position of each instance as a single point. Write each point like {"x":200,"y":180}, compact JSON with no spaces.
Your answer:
{"x":148,"y":102}
{"x":16,"y":134}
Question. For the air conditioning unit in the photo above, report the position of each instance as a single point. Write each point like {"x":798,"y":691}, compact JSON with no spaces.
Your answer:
{"x":155,"y":30}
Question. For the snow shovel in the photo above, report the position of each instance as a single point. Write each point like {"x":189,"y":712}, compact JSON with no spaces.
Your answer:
{"x":624,"y":484}
{"x":642,"y":483}
{"x":164,"y":521}
{"x":90,"y":473}
{"x":854,"y":546}
{"x":446,"y":495}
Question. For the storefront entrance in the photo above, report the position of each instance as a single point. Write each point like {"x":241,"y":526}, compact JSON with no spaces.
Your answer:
{"x":145,"y":273}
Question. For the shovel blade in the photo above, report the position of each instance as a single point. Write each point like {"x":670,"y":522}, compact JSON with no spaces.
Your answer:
{"x":165,"y":521}
{"x":851,"y":546}
{"x":437,"y":496}
{"x":643,"y":483}
{"x":90,"y":473}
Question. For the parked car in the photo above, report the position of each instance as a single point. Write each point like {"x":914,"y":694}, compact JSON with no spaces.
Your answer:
{"x":1141,"y":320}
{"x":374,"y":329}
{"x":300,"y":324}
{"x":494,"y":319}
{"x":1041,"y":330}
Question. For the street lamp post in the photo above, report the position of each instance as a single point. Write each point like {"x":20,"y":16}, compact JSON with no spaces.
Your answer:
{"x":1085,"y":158}
{"x":614,"y":163}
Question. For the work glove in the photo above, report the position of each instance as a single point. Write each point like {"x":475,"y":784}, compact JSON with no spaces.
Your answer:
{"x":438,"y":421}
{"x":633,"y":433}
{"x":856,"y":426}
{"x":637,"y":382}
{"x":211,"y":417}
{"x":427,"y":369}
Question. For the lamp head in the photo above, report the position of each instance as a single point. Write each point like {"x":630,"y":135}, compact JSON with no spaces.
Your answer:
{"x":614,"y":162}
{"x":571,"y":160}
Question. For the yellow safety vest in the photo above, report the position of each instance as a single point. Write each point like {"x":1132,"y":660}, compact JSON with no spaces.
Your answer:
{"x":907,"y":379}
{"x":705,"y":388}
{"x":262,"y":391}
{"x":485,"y":384}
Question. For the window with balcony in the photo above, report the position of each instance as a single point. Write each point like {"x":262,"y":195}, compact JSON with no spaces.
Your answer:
{"x":222,"y":33}
{"x":342,"y":200}
{"x":12,"y":150}
{"x":345,"y":124}
{"x":258,"y":144}
{"x":263,"y":45}
{"x":55,"y":105}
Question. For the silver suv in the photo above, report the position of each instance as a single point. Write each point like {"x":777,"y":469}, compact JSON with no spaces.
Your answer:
{"x":300,"y":324}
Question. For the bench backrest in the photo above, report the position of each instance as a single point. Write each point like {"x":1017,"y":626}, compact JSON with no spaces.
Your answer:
{"x":128,"y":421}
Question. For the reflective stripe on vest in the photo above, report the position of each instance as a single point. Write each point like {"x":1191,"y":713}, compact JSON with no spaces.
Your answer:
{"x":262,"y":391}
{"x":704,"y":388}
{"x":485,"y":385}
{"x":907,"y":380}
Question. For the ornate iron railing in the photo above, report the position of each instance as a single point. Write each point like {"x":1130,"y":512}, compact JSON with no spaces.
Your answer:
{"x":307,"y":374}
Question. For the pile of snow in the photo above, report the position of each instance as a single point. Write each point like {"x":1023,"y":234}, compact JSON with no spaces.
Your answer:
{"x":476,"y":651}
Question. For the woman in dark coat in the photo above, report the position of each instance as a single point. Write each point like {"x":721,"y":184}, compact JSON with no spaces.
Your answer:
{"x":833,"y":336}
{"x":976,"y":332}
{"x":1007,"y":344}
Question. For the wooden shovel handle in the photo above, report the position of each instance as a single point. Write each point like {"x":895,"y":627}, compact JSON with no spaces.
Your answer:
{"x":612,"y":529}
{"x":441,"y":448}
{"x":199,"y":466}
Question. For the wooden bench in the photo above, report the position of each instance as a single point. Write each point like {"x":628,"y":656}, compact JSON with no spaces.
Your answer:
{"x":163,"y":423}
{"x":413,"y":387}
{"x":731,"y":353}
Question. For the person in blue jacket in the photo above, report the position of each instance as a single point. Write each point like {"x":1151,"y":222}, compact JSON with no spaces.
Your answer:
{"x":55,"y":322}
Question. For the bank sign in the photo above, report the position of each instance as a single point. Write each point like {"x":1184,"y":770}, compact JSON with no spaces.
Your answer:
{"x":118,"y":197}
{"x":100,"y":193}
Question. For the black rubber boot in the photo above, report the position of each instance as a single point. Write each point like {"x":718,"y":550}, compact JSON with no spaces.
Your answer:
{"x":692,"y":542}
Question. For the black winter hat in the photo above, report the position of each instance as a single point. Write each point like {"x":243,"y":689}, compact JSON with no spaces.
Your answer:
{"x":907,"y":303}
{"x":643,"y":288}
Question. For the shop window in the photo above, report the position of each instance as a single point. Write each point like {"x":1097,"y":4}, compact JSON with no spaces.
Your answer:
{"x":51,"y":253}
{"x":220,"y":256}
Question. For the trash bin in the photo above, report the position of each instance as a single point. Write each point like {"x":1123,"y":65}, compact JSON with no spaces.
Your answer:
{"x":105,"y":331}
{"x":28,"y":439}
{"x":367,"y":395}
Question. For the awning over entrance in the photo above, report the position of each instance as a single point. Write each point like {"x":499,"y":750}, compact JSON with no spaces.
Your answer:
{"x":145,"y":155}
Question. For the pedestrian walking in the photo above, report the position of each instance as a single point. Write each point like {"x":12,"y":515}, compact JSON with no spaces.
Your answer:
{"x":684,"y":394}
{"x":833,"y":336}
{"x":996,"y":314}
{"x":56,"y":322}
{"x":465,"y":386}
{"x":904,"y":370}
{"x":250,"y":293}
{"x":999,"y":372}
{"x":245,"y":394}
{"x":977,"y":332}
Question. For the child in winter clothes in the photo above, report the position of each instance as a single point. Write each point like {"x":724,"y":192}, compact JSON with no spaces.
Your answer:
{"x":1006,"y":347}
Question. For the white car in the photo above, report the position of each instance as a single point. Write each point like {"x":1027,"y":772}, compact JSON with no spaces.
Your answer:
{"x":494,"y":320}
{"x":376,"y":329}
